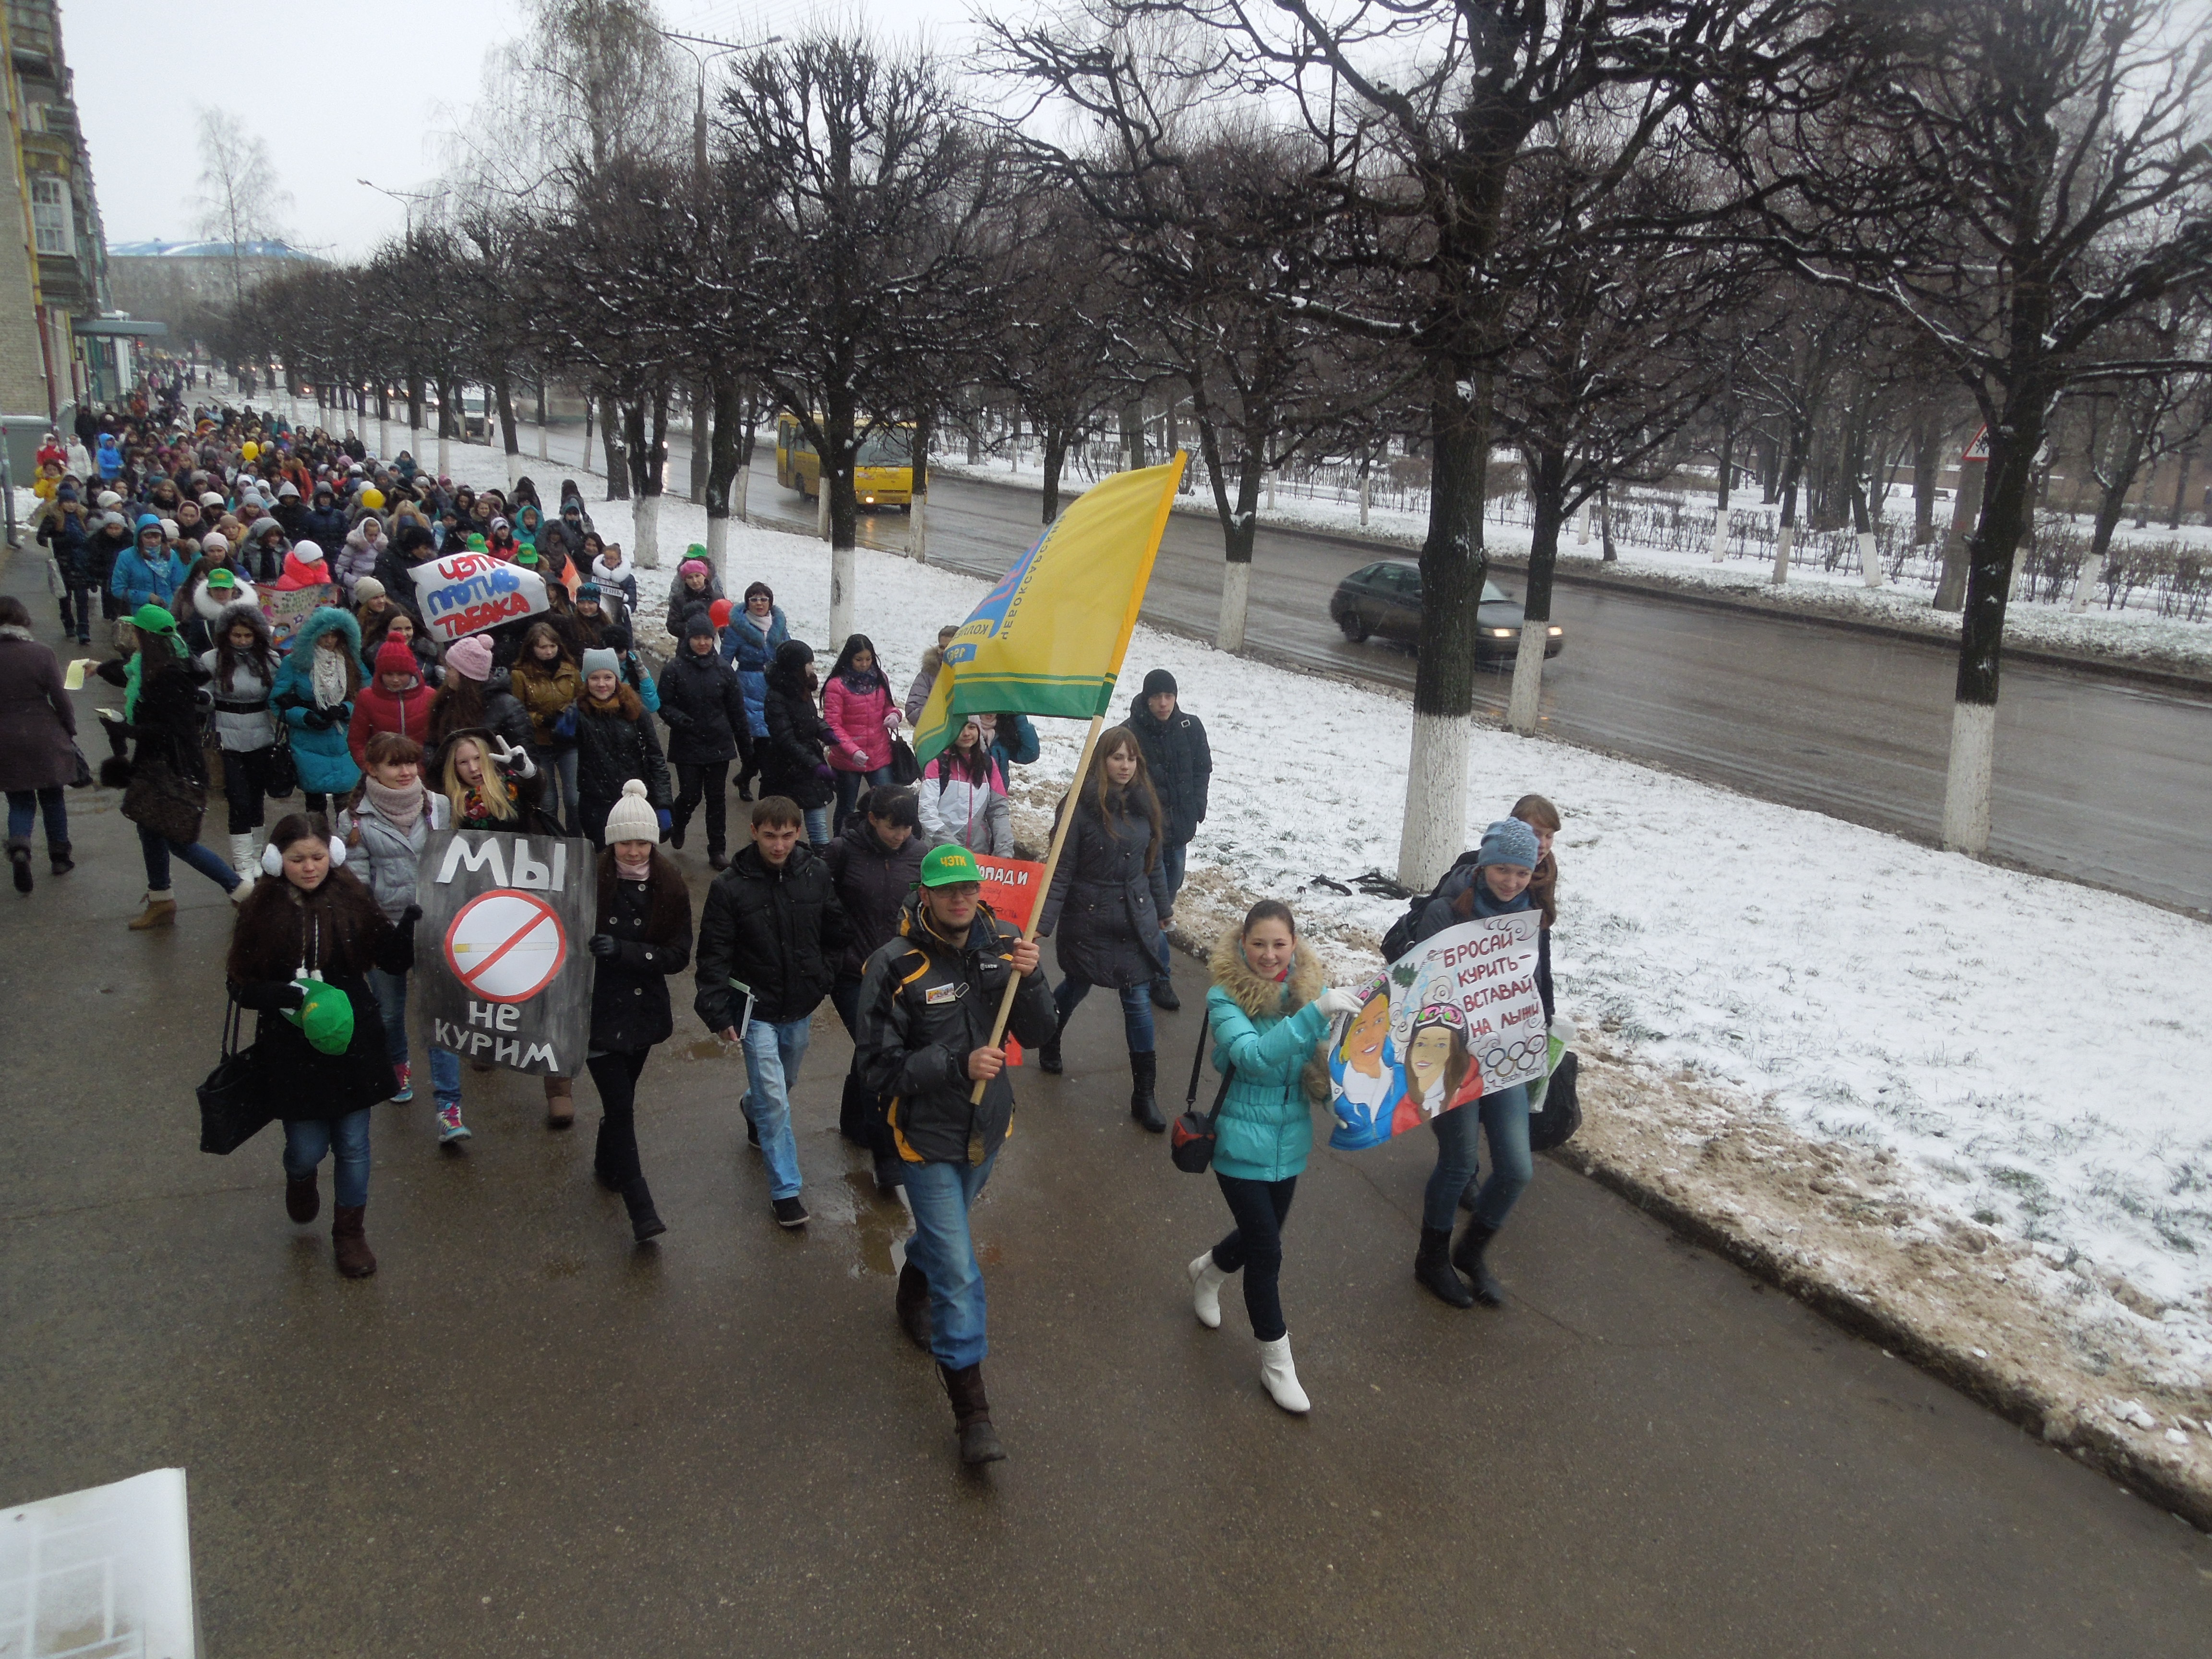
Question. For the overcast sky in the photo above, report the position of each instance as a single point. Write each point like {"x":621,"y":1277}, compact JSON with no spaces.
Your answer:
{"x":341,"y":89}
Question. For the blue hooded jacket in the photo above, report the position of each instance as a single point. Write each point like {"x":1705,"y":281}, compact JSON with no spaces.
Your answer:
{"x":749,"y":651}
{"x":319,"y":750}
{"x":143,"y":575}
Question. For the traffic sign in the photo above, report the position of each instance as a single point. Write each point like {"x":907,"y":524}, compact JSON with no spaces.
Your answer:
{"x":1978,"y":447}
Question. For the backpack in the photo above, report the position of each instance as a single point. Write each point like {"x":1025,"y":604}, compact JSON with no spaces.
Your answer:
{"x":1403,"y":936}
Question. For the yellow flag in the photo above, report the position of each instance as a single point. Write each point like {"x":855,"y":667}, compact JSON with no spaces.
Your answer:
{"x":1050,"y":637}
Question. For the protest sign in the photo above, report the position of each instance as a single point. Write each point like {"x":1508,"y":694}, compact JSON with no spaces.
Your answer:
{"x":287,"y":608}
{"x":506,"y":977}
{"x":1013,"y":887}
{"x":466,"y":593}
{"x":1457,"y":1017}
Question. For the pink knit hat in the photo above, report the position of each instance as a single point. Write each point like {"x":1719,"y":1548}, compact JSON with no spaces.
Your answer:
{"x":469,"y":658}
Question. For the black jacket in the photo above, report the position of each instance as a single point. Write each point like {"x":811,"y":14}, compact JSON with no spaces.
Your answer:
{"x":615,"y":743}
{"x":650,"y":922}
{"x":1104,"y":907}
{"x":704,"y":707}
{"x":778,"y":930}
{"x":924,"y":1005}
{"x":873,"y":885}
{"x":1181,"y":763}
{"x":796,"y":740}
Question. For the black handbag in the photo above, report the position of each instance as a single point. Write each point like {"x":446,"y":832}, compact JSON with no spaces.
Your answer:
{"x":231,"y":1108}
{"x":81,"y":777}
{"x":1190,"y":1137}
{"x":1554,"y":1123}
{"x":163,"y":800}
{"x":284,"y":770}
{"x":905,"y":769}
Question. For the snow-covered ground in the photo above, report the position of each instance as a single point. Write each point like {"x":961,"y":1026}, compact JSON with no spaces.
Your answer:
{"x":1979,"y":1099}
{"x":2136,"y":633}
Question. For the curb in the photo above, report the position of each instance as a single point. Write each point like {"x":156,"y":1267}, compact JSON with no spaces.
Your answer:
{"x":2057,"y":1426}
{"x":2103,"y":667}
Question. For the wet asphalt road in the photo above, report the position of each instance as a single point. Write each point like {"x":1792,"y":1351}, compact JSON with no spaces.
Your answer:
{"x":2096,"y":779}
{"x":525,"y":1437}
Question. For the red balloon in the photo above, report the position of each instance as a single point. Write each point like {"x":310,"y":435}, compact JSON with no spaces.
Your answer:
{"x":718,"y":613}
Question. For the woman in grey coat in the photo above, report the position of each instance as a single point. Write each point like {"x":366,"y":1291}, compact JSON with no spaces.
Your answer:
{"x":37,"y":738}
{"x":1109,"y":906}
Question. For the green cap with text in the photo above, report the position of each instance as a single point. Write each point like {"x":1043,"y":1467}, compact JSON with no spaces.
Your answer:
{"x":949,"y":865}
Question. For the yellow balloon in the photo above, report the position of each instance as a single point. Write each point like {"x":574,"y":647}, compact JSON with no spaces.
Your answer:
{"x":252,"y":452}
{"x":372,"y":499}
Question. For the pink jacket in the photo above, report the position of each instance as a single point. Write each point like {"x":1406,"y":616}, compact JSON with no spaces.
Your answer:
{"x":857,"y":722}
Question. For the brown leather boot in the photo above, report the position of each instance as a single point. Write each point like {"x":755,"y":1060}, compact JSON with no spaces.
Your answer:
{"x":560,"y":1103}
{"x":971,"y":1412}
{"x":356,"y":1259}
{"x":160,"y":912}
{"x":302,"y":1201}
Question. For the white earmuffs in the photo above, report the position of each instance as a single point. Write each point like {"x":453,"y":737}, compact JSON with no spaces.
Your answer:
{"x":272,"y":857}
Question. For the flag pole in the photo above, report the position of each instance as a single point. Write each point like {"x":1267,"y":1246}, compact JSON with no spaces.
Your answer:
{"x":1051,"y":864}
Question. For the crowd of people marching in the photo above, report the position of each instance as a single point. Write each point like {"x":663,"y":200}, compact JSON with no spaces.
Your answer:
{"x":857,"y":883}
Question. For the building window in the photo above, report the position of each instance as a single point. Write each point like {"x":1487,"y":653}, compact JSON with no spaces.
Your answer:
{"x":51,"y":215}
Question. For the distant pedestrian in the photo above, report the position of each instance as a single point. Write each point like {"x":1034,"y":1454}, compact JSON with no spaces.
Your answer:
{"x":857,"y":707}
{"x":643,"y":935}
{"x":1109,"y":904}
{"x":794,"y":763}
{"x":396,"y":701}
{"x":963,"y":796}
{"x":1181,"y":768}
{"x":299,"y":957}
{"x":696,"y":586}
{"x":544,"y":679}
{"x":1269,"y":1012}
{"x":748,"y":645}
{"x":917,"y":694}
{"x":37,"y":736}
{"x":873,"y":866}
{"x":929,"y":1003}
{"x":704,"y":708}
{"x":769,"y":938}
{"x":243,"y":665}
{"x":615,"y":742}
{"x":315,"y":690}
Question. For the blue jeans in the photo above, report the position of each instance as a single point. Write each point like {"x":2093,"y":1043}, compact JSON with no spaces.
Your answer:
{"x":391,"y":993}
{"x":848,"y":791}
{"x":24,"y":805}
{"x":818,"y":825}
{"x":1171,"y":855}
{"x":941,"y":1195}
{"x":1504,"y":1117}
{"x":559,"y":766}
{"x":157,"y":851}
{"x":1136,"y":1010}
{"x":306,"y":1140}
{"x":772,"y":1055}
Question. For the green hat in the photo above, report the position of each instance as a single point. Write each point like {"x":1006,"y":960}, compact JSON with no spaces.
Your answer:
{"x":151,"y":618}
{"x":326,"y":1017}
{"x":947,"y":866}
{"x":222,"y":577}
{"x":475,"y":542}
{"x":527,"y":556}
{"x":694,"y":551}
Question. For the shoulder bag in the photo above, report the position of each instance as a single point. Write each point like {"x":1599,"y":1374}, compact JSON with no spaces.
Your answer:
{"x":284,"y":770}
{"x":163,"y":800}
{"x":1190,"y":1137}
{"x":231,"y":1108}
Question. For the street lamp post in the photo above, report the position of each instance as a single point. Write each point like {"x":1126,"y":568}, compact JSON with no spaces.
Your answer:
{"x":406,"y":199}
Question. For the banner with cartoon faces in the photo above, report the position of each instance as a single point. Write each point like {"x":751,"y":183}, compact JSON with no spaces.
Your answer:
{"x":1457,"y":1017}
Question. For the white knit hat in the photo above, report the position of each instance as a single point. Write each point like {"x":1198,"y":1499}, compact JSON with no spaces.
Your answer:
{"x":632,"y":818}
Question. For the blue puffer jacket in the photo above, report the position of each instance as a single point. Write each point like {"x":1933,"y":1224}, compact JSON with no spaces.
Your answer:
{"x":318,"y":750}
{"x":1268,"y":1032}
{"x":142,"y":575}
{"x":751,"y":652}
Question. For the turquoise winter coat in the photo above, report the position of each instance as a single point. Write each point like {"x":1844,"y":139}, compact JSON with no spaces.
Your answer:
{"x":324,"y":763}
{"x":1268,"y":1032}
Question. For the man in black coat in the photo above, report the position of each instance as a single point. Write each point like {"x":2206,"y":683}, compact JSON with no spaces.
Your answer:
{"x":929,"y":1007}
{"x":704,"y":707}
{"x":874,"y":865}
{"x":769,"y":938}
{"x":1181,"y":766}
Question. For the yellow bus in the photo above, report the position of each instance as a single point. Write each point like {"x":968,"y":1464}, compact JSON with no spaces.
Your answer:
{"x":882,"y":474}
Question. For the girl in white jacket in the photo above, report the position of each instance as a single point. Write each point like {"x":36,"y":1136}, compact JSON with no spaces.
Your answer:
{"x":963,"y":797}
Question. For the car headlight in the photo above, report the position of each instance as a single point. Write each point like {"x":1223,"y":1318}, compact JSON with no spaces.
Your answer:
{"x":1555,"y":632}
{"x":1501,"y":633}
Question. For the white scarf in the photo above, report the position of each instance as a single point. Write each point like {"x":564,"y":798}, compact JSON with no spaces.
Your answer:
{"x":329,"y":678}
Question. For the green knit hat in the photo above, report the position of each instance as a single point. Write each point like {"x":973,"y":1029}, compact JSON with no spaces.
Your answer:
{"x":948,"y":865}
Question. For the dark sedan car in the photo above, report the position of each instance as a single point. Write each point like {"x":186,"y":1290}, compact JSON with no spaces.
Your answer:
{"x":1384,"y":600}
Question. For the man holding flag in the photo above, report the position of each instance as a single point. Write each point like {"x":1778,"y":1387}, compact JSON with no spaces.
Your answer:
{"x":935,"y":1003}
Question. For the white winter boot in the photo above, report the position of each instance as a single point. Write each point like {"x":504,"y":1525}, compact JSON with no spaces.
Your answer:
{"x":1280,"y":1378}
{"x":1205,"y":1283}
{"x":243,"y":857}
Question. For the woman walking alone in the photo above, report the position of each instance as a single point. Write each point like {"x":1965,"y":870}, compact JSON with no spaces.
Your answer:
{"x":38,"y":744}
{"x":857,"y":707}
{"x":1268,"y":1014}
{"x":244,"y":664}
{"x":1107,"y":904}
{"x":299,"y":957}
{"x":643,"y":935}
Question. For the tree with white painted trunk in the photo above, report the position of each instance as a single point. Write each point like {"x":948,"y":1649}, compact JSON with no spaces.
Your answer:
{"x":2017,"y":181}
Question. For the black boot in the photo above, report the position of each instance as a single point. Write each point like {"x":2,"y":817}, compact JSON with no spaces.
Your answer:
{"x":601,"y":1169}
{"x":645,"y":1221}
{"x":1048,"y":1053}
{"x":1164,"y":995}
{"x":57,"y":854}
{"x":914,"y":1305}
{"x":1467,"y":1256}
{"x":19,"y":855}
{"x":1145,"y":1068}
{"x":971,"y":1412}
{"x":1432,"y":1267}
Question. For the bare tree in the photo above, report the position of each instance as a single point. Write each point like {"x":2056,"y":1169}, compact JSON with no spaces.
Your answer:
{"x":241,"y":200}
